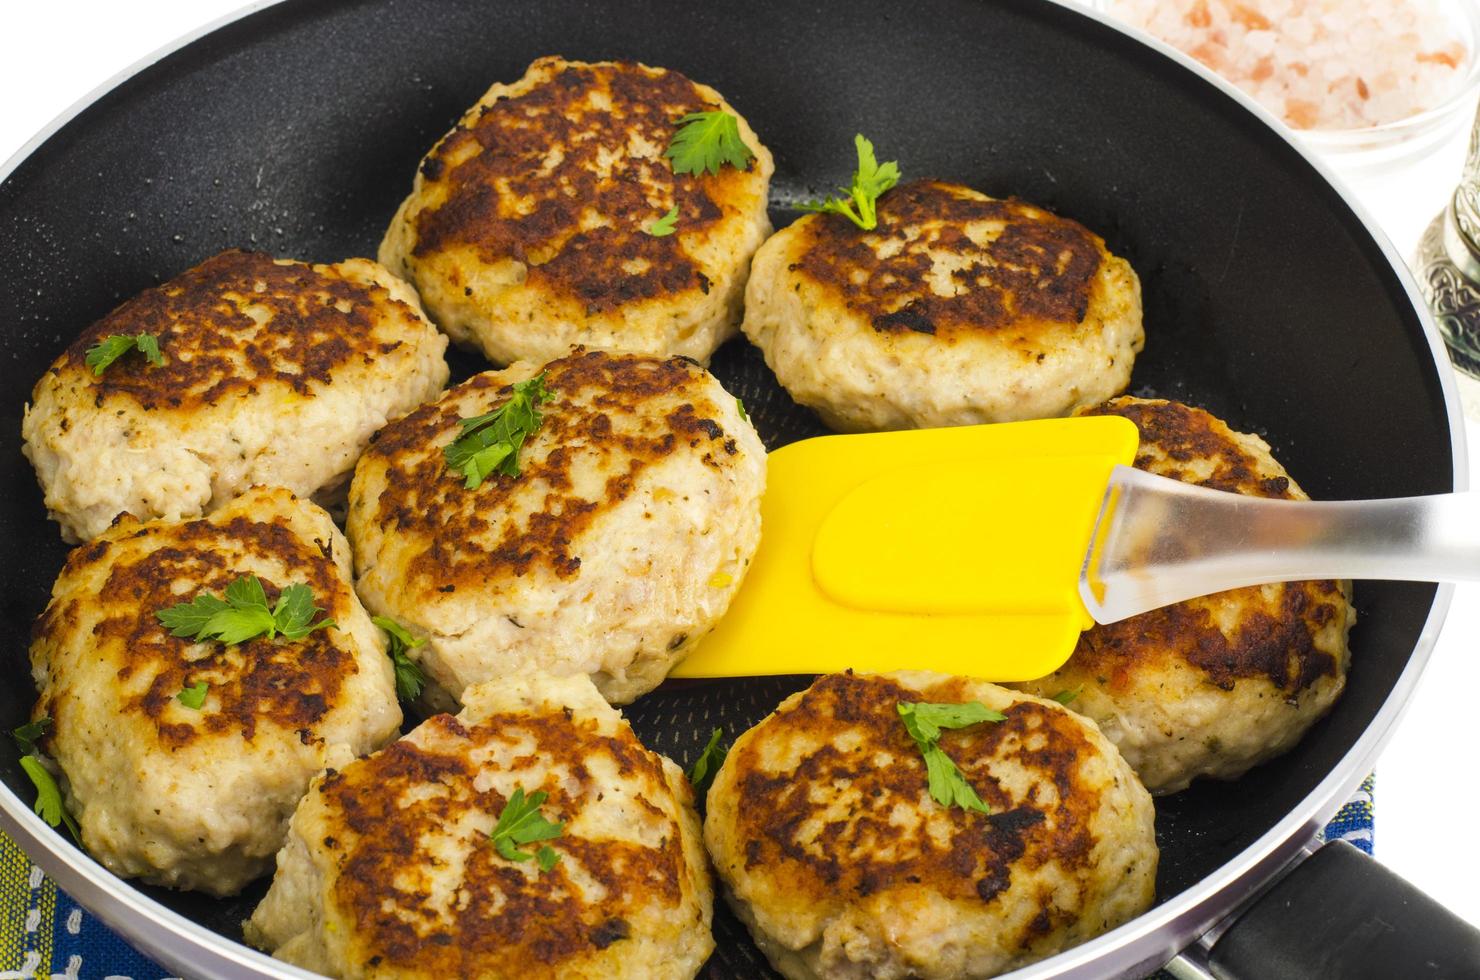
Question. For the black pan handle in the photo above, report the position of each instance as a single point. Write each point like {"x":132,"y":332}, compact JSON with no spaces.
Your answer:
{"x":1341,"y":915}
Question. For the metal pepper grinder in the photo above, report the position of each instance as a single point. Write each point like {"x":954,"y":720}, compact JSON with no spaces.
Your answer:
{"x":1447,"y":266}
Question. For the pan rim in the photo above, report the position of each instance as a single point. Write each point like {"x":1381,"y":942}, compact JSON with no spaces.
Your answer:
{"x":1149,"y":940}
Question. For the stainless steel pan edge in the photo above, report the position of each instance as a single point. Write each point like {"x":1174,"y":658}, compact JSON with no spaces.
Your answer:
{"x":1135,"y":949}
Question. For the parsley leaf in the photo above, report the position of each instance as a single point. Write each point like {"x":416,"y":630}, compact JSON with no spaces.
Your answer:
{"x":29,"y":734}
{"x":49,"y":802}
{"x":193,"y":695}
{"x":665,"y":225}
{"x":870,"y":180}
{"x":409,"y":678}
{"x":1067,"y":697}
{"x":707,"y":141}
{"x":100,"y":355}
{"x":704,"y":769}
{"x":744,"y":415}
{"x":521,"y":823}
{"x":491,"y":442}
{"x":948,"y":786}
{"x":190,"y":618}
{"x":294,"y":612}
{"x":924,"y":721}
{"x":243,"y":614}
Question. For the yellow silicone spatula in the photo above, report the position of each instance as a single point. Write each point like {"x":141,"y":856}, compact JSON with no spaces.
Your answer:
{"x":958,"y":549}
{"x":986,"y":550}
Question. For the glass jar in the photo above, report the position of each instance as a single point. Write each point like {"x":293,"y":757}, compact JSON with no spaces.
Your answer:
{"x":1402,"y":172}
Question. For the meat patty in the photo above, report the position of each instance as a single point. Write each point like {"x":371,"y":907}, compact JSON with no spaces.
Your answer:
{"x":614,"y":551}
{"x":842,"y":865}
{"x":390,"y":871}
{"x":957,"y":309}
{"x":526,"y":231}
{"x":200,"y":797}
{"x":1216,"y":685}
{"x":275,"y":373}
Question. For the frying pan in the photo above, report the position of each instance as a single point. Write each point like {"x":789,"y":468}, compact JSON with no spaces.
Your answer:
{"x":1269,"y":300}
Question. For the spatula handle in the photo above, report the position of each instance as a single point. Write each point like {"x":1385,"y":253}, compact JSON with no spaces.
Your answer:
{"x":1159,"y":541}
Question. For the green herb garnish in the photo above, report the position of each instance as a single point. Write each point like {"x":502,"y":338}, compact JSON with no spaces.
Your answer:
{"x":409,"y":678}
{"x":1068,"y":697}
{"x":521,"y":823}
{"x":29,"y":734}
{"x":870,"y":180}
{"x":193,"y":696}
{"x":708,"y":141}
{"x":924,"y":721}
{"x":244,"y":614}
{"x":49,"y":803}
{"x":114,"y":346}
{"x":490,"y":442}
{"x":665,"y":225}
{"x":704,"y":769}
{"x":744,"y":415}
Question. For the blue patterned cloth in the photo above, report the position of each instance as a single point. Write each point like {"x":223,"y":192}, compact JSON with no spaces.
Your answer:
{"x":46,"y":935}
{"x":1353,"y":822}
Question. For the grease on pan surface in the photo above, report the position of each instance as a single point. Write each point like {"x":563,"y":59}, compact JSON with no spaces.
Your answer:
{"x":389,"y":870}
{"x":957,"y":309}
{"x":200,"y":798}
{"x":525,"y":228}
{"x":275,"y":372}
{"x":618,"y":546}
{"x":837,"y":859}
{"x":1215,"y":685}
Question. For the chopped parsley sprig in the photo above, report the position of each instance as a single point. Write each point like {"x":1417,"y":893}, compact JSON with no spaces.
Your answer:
{"x":665,"y":225}
{"x":409,"y":678}
{"x":521,"y":823}
{"x":706,"y":141}
{"x":924,"y":721}
{"x":193,"y":695}
{"x":29,"y":734}
{"x":49,"y":803}
{"x":100,"y":355}
{"x":244,"y":614}
{"x":870,"y":181}
{"x":490,"y":443}
{"x":704,"y":769}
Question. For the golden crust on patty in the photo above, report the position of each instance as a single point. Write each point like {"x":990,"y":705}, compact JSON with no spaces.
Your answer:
{"x":235,"y":322}
{"x":142,"y":766}
{"x":821,"y":827}
{"x":406,"y":882}
{"x":957,"y":309}
{"x":535,"y":208}
{"x":1008,"y":266}
{"x":465,"y":547}
{"x":618,"y":545}
{"x":1213,"y":685}
{"x":143,"y":568}
{"x":1277,"y":638}
{"x":274,"y":373}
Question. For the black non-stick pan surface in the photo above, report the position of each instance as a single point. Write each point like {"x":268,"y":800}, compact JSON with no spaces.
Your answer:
{"x":297,"y":130}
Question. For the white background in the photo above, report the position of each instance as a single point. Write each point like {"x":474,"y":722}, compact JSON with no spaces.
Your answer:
{"x":54,"y":52}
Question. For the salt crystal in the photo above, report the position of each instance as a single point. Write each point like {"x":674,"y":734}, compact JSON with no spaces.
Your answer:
{"x":1310,"y":61}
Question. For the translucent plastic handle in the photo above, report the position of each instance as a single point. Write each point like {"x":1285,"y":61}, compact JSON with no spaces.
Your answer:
{"x":1159,"y":541}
